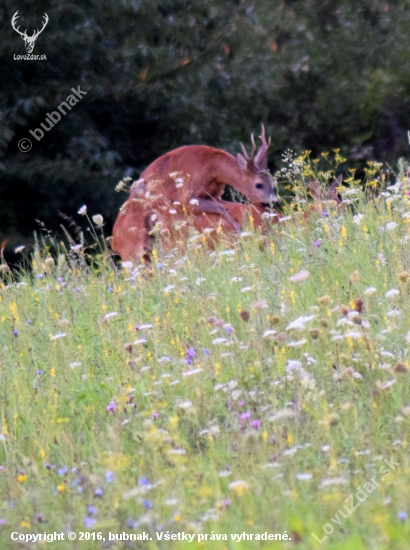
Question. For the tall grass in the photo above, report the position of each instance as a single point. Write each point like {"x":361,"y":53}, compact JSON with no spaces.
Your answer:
{"x":252,"y":388}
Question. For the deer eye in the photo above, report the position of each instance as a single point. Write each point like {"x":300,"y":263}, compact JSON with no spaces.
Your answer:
{"x":259,"y":186}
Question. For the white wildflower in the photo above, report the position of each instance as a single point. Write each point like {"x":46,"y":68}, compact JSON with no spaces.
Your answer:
{"x":297,"y":343}
{"x":19,"y":249}
{"x":357,"y":218}
{"x":300,"y":276}
{"x":299,"y":323}
{"x":219,"y":341}
{"x":390,"y":226}
{"x":83,"y":211}
{"x":58,"y":336}
{"x":393,"y":292}
{"x":370,"y":290}
{"x":98,"y":220}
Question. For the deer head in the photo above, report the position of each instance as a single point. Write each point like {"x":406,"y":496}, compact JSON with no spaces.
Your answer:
{"x":255,"y":169}
{"x":29,"y":41}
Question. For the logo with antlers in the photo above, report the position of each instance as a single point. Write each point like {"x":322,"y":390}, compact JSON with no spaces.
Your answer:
{"x":29,"y":41}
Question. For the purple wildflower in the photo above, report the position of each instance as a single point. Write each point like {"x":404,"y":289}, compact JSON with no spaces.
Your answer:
{"x":2,"y":521}
{"x":159,"y":266}
{"x":241,"y":403}
{"x":402,"y":516}
{"x":109,"y":289}
{"x":92,"y":510}
{"x":246,"y":415}
{"x":109,"y":476}
{"x":131,"y":523}
{"x":39,"y":372}
{"x":111,"y":406}
{"x":190,"y":352}
{"x":98,"y":493}
{"x":317,"y":243}
{"x":206,"y":351}
{"x":40,"y":276}
{"x":154,"y":416}
{"x":228,"y":330}
{"x":147,"y":504}
{"x":325,"y":213}
{"x":143,"y":481}
{"x":89,"y":522}
{"x":62,"y":471}
{"x":226,"y":502}
{"x":15,"y":332}
{"x":255,"y":424}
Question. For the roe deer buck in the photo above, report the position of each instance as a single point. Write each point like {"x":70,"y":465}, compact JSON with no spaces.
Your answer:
{"x":189,"y":181}
{"x":319,"y":195}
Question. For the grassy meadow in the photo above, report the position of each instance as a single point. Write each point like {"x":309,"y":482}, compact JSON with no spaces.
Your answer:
{"x":261,"y":387}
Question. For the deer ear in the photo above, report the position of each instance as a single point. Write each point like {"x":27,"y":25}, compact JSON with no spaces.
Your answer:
{"x":241,"y":161}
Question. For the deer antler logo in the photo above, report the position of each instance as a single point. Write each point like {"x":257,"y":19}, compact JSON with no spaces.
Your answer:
{"x":29,"y":41}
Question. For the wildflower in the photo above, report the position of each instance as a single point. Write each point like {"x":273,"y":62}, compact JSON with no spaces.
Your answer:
{"x":109,"y":316}
{"x":300,"y":276}
{"x":98,"y":493}
{"x":245,"y":415}
{"x":62,"y":471}
{"x":40,"y":277}
{"x":260,"y":304}
{"x":58,"y":336}
{"x":109,"y":476}
{"x":357,"y":218}
{"x":76,"y":248}
{"x":317,"y":243}
{"x":391,"y":293}
{"x":314,"y":333}
{"x":370,"y":290}
{"x":299,"y":323}
{"x":402,"y":515}
{"x":324,"y":299}
{"x":15,"y":332}
{"x":245,"y":315}
{"x":390,"y":226}
{"x":111,"y":406}
{"x":19,"y":249}
{"x":255,"y":424}
{"x":304,"y":476}
{"x":98,"y":220}
{"x":403,"y":276}
{"x":92,"y":510}
{"x":401,"y":368}
{"x":83,"y":211}
{"x":127,"y":265}
{"x":147,"y":504}
{"x":89,"y":522}
{"x":206,"y":351}
{"x":238,"y":486}
{"x":190,"y":352}
{"x":143,"y":481}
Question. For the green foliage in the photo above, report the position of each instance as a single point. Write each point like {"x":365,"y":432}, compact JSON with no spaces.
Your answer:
{"x":162,"y":74}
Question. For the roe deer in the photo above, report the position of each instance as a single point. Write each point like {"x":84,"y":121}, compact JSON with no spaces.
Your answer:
{"x":190,"y":181}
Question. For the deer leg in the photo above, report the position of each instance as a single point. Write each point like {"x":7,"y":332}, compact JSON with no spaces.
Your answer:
{"x":207,"y":206}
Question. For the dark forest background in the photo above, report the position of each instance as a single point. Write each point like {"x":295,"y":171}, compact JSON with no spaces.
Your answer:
{"x":160,"y":74}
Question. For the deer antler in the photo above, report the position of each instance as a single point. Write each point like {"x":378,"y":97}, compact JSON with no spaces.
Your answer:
{"x":13,"y":24}
{"x":35,"y":34}
{"x":245,"y":154}
{"x":261,"y":159}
